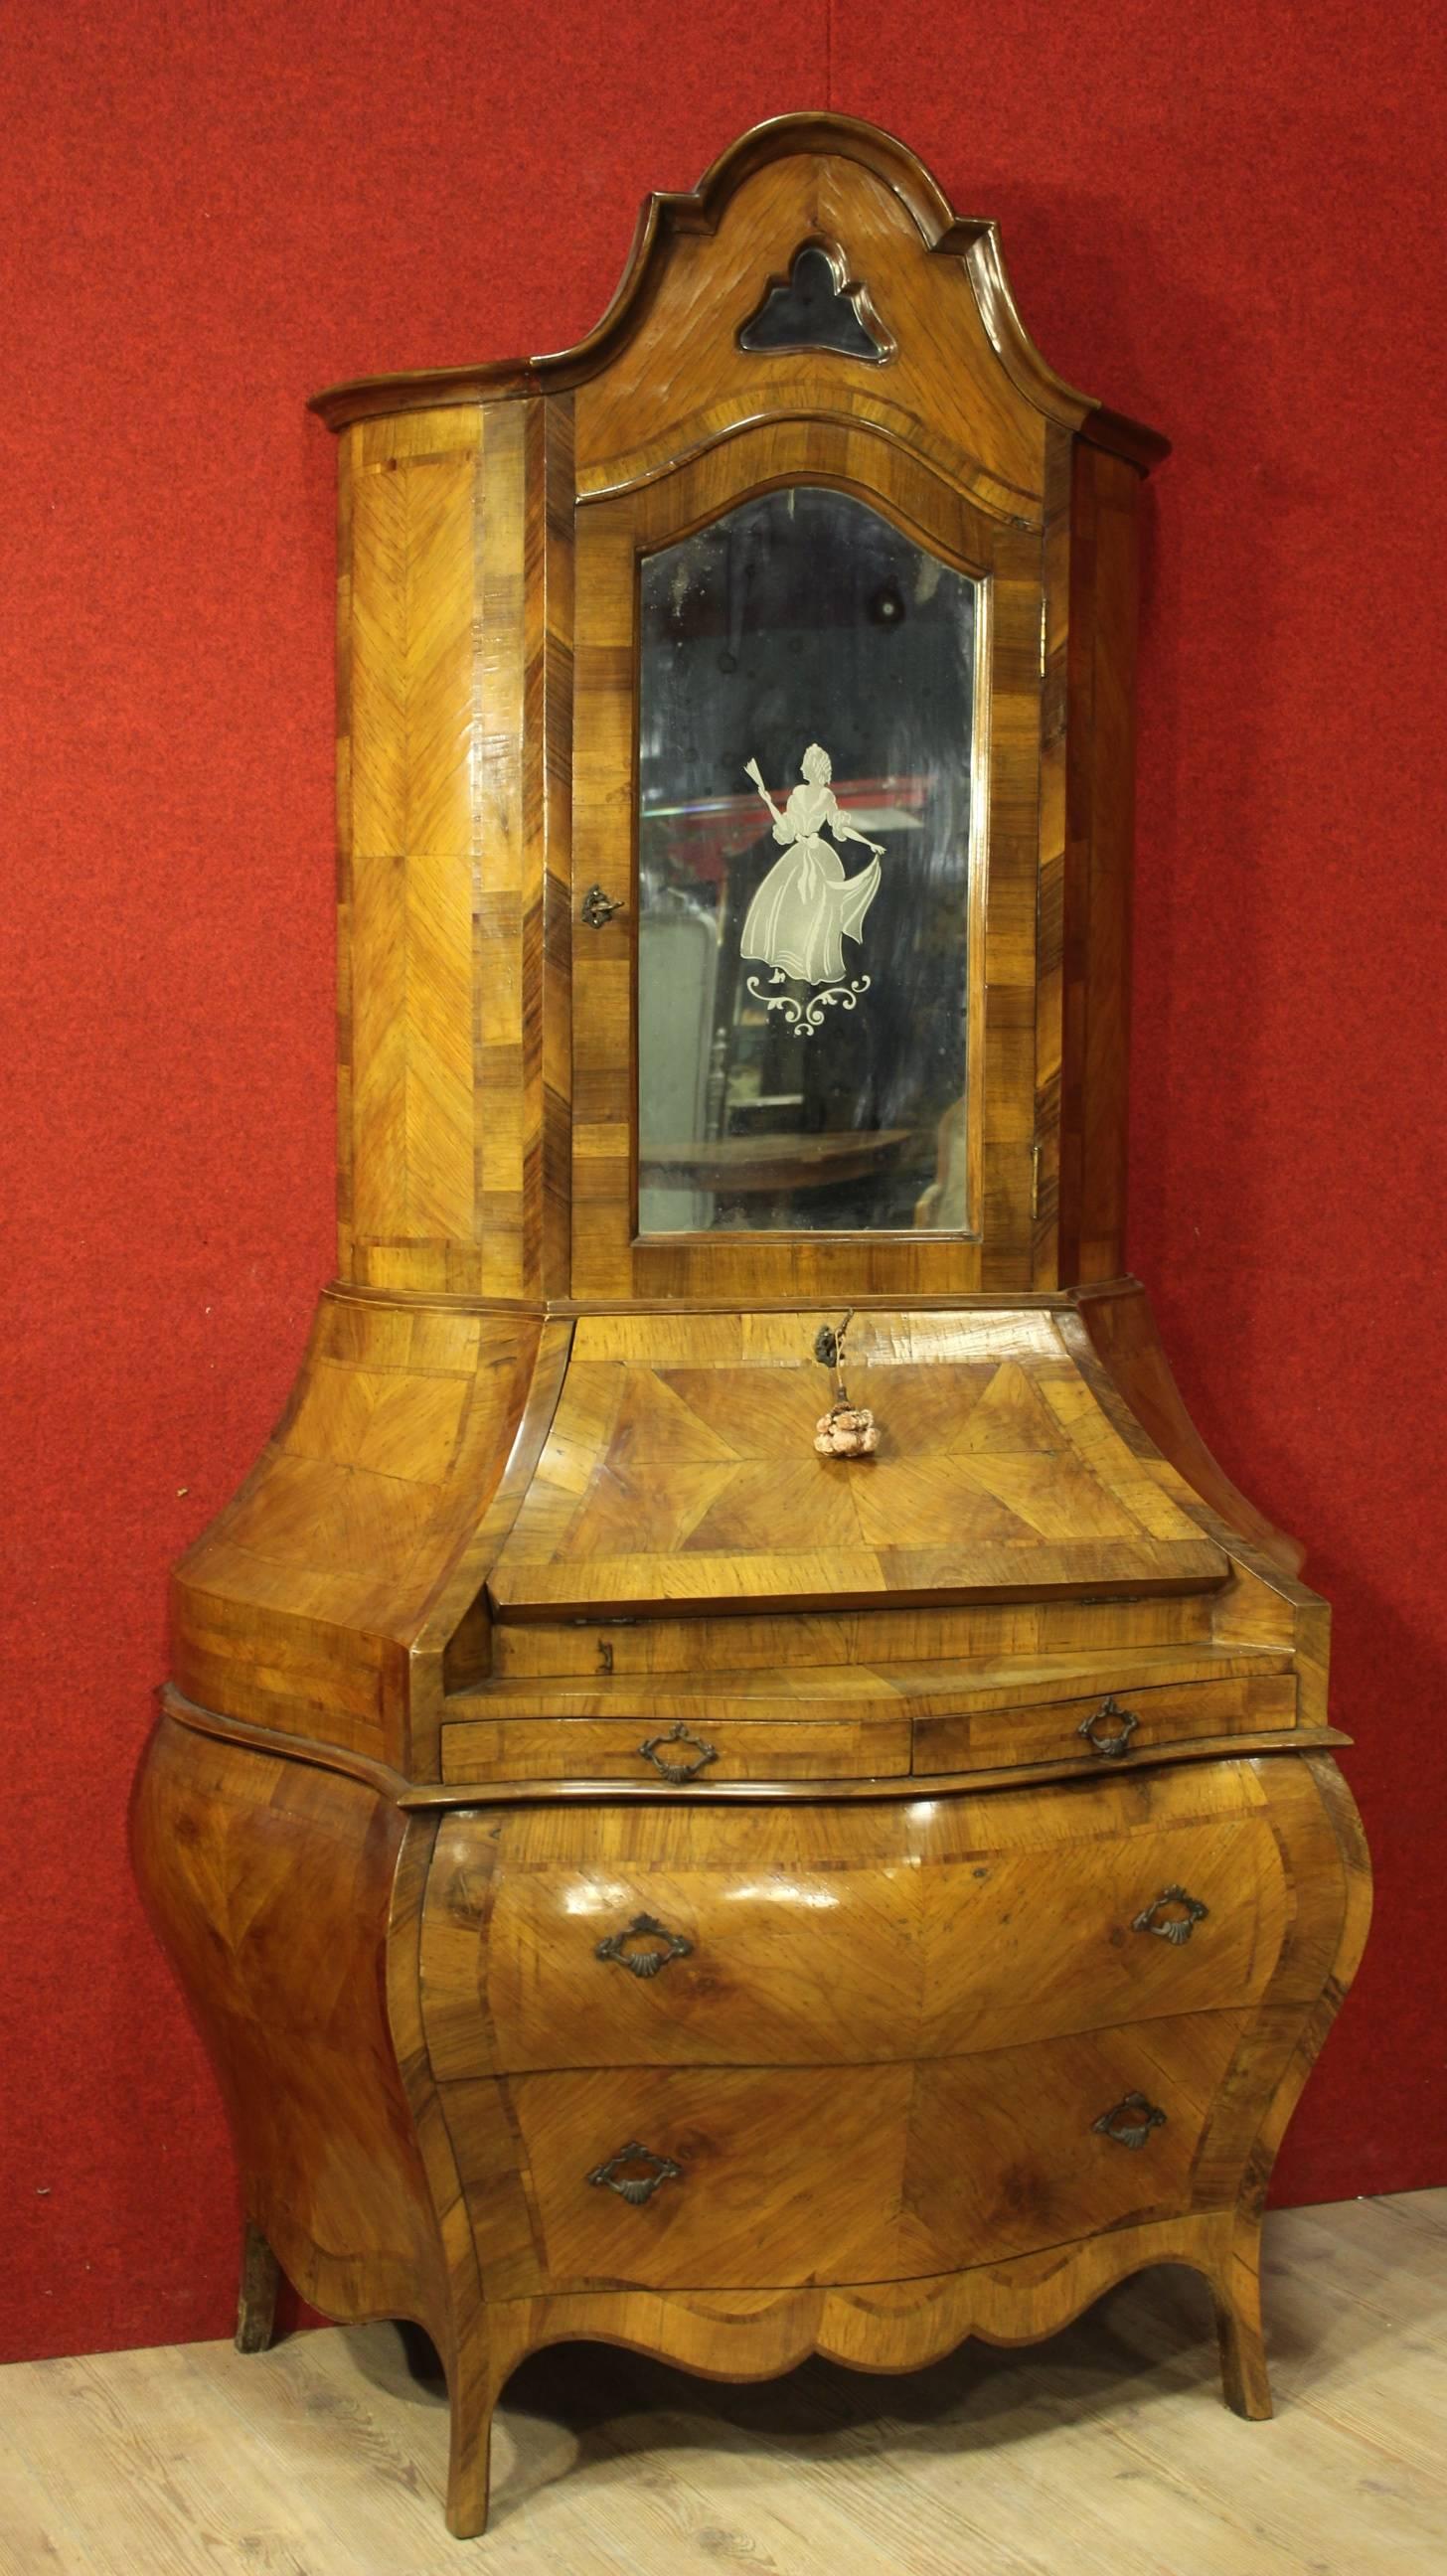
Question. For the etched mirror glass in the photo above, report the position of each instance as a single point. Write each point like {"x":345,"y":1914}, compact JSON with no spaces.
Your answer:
{"x":806,"y":751}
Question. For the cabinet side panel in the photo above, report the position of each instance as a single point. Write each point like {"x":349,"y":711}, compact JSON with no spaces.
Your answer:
{"x":301,"y":1606}
{"x":1100,"y":821}
{"x":269,"y":1884}
{"x":505,"y":897}
{"x":550,"y":686}
{"x":524,"y":1068}
{"x":1013,"y":911}
{"x":347,"y":450}
{"x":1050,"y":925}
{"x":454,"y":661}
{"x":412,"y":725}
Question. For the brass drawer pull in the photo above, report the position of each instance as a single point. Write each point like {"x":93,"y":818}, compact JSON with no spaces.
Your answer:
{"x":636,"y":2188}
{"x":677,"y":1771}
{"x":1176,"y":1925}
{"x":644,"y":1963}
{"x":1131,"y":2122}
{"x":599,"y":908}
{"x":1110,"y":1747}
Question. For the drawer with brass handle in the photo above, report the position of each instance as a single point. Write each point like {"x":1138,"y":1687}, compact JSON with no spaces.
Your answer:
{"x":687,"y":1754}
{"x":903,"y":2170}
{"x":866,"y":1932}
{"x":659,"y":1946}
{"x":1113,"y":1728}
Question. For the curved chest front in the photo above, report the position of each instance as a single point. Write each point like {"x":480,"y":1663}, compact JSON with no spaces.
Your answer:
{"x":872,"y":2041}
{"x":738,"y":2081}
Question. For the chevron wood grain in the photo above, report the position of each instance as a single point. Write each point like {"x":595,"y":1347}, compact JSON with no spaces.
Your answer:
{"x":667,"y":1481}
{"x":299,"y":1607}
{"x":639,"y":1878}
{"x":989,"y":1919}
{"x":409,"y":725}
{"x":1134,"y":2118}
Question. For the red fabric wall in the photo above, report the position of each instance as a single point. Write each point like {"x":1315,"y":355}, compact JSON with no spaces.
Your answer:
{"x":1225,"y":220}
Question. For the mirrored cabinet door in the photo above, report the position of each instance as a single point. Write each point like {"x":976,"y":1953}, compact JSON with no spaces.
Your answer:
{"x":809,"y":815}
{"x":807,"y":771}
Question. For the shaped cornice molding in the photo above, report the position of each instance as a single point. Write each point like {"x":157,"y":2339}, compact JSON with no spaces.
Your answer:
{"x":669,"y":217}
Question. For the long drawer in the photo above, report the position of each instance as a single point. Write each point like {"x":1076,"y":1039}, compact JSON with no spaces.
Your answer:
{"x":700,"y":1752}
{"x":639,"y":1936}
{"x":764,"y":2178}
{"x":1109,"y":1727}
{"x":919,"y":1718}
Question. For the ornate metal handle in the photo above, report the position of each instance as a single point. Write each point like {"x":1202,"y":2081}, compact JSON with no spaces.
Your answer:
{"x":644,"y":1963}
{"x":677,"y":1771}
{"x":598,"y":907}
{"x":1111,"y":1748}
{"x":636,"y":2188}
{"x":1131,"y":2122}
{"x":1175,"y":1926}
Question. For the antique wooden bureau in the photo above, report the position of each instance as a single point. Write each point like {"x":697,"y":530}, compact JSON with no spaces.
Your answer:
{"x":737,"y":1781}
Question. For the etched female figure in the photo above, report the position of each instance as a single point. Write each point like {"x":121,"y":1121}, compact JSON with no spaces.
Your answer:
{"x":807,"y":907}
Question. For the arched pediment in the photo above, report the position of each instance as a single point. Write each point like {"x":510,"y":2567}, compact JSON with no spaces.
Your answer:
{"x":664,"y":371}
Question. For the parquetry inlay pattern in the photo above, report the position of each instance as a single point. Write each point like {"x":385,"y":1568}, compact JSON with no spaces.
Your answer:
{"x":681,"y":1463}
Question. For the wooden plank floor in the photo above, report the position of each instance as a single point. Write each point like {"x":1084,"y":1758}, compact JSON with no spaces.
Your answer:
{"x":1104,"y":2451}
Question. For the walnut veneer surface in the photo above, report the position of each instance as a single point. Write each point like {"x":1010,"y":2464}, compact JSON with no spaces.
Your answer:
{"x":638,"y":1878}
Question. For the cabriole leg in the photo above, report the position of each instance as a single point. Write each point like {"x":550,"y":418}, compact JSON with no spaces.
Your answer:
{"x":472,"y":2394}
{"x":1237,"y":2290}
{"x":260,"y":2281}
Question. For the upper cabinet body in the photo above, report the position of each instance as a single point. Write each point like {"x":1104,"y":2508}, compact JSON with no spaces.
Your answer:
{"x":735,"y":792}
{"x":735,"y":764}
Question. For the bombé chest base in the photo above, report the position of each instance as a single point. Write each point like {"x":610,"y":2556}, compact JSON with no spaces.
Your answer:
{"x":734,"y":2083}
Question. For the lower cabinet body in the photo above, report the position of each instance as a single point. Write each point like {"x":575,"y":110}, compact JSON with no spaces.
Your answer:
{"x":732,"y":2083}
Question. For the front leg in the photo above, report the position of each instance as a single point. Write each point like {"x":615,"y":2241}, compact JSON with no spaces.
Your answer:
{"x":473,"y":2385}
{"x":1236,"y":2288}
{"x":260,"y":2281}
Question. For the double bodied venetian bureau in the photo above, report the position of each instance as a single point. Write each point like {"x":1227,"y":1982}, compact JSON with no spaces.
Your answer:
{"x":737,"y":1781}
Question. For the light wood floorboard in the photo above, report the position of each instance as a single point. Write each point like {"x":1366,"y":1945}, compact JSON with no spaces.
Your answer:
{"x":1105,"y":2450}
